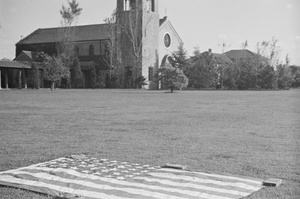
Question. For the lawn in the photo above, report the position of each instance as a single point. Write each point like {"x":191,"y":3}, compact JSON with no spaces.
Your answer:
{"x":249,"y":133}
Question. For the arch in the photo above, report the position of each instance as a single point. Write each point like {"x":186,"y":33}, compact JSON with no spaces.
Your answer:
{"x":167,"y":59}
{"x":91,"y":50}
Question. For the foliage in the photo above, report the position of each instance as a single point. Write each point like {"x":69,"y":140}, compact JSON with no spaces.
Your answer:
{"x":76,"y":74}
{"x":227,"y":72}
{"x":180,"y":57}
{"x":34,"y":76}
{"x":5,"y":59}
{"x":93,"y":76}
{"x":67,"y":35}
{"x":71,"y":13}
{"x":116,"y":63}
{"x":54,"y":69}
{"x":203,"y":72}
{"x":140,"y":82}
{"x":246,"y":75}
{"x":295,"y":70}
{"x":265,"y":77}
{"x":284,"y":76}
{"x":97,"y":78}
{"x":173,"y":77}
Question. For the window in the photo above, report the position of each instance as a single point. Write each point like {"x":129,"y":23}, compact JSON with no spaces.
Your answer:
{"x":129,"y":5}
{"x":150,"y":5}
{"x":91,"y":50}
{"x":167,"y":40}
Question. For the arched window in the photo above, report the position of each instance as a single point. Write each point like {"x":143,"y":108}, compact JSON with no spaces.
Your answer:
{"x":153,"y":5}
{"x":129,"y":5}
{"x":76,"y":50}
{"x":150,"y":5}
{"x":91,"y":50}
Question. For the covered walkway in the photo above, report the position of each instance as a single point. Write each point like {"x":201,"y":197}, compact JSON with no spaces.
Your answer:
{"x":20,"y":69}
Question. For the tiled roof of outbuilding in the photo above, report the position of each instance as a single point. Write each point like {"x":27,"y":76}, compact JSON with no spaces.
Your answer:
{"x":222,"y":58}
{"x":84,"y":33}
{"x":14,"y":64}
{"x":238,"y":54}
{"x":245,"y":54}
{"x":33,"y":56}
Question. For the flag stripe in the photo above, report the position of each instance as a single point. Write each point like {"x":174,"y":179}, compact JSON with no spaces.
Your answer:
{"x":165,"y":188}
{"x":77,"y":185}
{"x":172,"y":176}
{"x":85,"y":193}
{"x":107,"y":187}
{"x":172,"y":183}
{"x":257,"y":182}
{"x":179,"y":189}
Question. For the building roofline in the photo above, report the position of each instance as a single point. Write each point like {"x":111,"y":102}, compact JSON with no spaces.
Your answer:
{"x":167,"y":21}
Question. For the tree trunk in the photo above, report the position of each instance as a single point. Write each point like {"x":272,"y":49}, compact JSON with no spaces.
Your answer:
{"x":52,"y":85}
{"x":172,"y":88}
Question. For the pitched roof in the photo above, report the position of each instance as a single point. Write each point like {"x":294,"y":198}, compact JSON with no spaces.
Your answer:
{"x":14,"y":64}
{"x":51,"y":35}
{"x":161,"y":21}
{"x":28,"y":56}
{"x":239,"y":54}
{"x":220,"y":58}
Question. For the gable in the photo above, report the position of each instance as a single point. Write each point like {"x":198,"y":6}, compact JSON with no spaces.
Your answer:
{"x":166,"y":26}
{"x":28,"y":56}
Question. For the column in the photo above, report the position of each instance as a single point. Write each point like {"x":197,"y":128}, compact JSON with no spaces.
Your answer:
{"x":25,"y":78}
{"x":6,"y":79}
{"x":0,"y":80}
{"x":20,"y":79}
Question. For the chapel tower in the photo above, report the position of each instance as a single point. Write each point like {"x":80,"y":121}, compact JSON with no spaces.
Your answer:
{"x":138,"y":30}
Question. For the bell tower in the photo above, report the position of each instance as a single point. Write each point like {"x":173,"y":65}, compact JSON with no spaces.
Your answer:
{"x":138,"y":34}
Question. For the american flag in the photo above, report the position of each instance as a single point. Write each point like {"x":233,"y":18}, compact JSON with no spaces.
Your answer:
{"x":87,"y":177}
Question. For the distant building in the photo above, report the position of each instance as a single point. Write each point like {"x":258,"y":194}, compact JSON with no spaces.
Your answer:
{"x":157,"y":37}
{"x":246,"y":55}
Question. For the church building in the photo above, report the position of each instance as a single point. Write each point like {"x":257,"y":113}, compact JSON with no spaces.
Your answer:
{"x":138,"y":43}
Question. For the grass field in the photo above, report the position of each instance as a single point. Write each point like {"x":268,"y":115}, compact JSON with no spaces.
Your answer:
{"x":250,"y":133}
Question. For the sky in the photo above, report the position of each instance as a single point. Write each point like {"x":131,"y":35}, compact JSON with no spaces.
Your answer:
{"x":205,"y":24}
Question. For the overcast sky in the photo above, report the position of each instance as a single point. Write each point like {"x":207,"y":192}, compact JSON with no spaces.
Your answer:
{"x":202,"y":23}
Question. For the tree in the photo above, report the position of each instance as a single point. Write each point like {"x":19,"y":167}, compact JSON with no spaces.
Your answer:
{"x":116,"y":75}
{"x":295,"y":70}
{"x":5,"y":59}
{"x":180,"y":57}
{"x":76,"y":74}
{"x":127,"y":41}
{"x":203,"y":72}
{"x":54,"y":69}
{"x":265,"y":77}
{"x":246,"y":78}
{"x":140,"y":82}
{"x":227,"y":72}
{"x":173,"y":77}
{"x":68,"y":33}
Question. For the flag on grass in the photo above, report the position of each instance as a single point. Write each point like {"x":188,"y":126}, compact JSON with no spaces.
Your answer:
{"x":89,"y":177}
